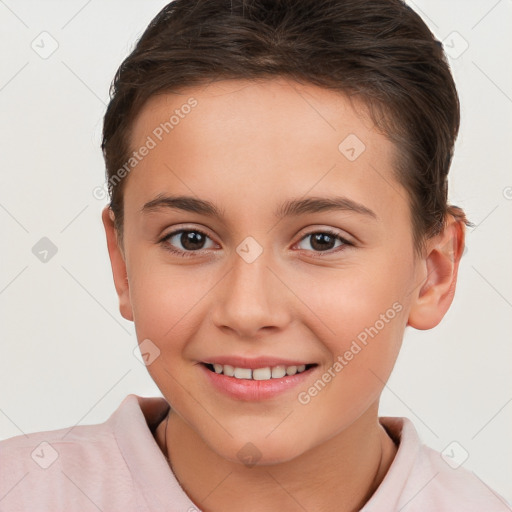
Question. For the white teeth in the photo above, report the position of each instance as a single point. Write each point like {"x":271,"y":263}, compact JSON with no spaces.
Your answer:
{"x":262,"y":374}
{"x":228,"y":370}
{"x":291,"y":370}
{"x":243,"y":373}
{"x":278,"y":372}
{"x":267,"y":373}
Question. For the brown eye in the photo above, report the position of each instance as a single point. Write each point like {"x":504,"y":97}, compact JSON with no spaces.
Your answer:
{"x":322,"y":241}
{"x":185,"y":241}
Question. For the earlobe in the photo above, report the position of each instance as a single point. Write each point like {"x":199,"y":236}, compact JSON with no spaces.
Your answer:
{"x":118,"y":263}
{"x":438,"y":276}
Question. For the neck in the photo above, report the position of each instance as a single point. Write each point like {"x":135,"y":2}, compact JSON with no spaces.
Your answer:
{"x":340,"y":474}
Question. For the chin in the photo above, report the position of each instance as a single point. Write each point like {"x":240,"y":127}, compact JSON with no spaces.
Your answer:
{"x":262,"y":452}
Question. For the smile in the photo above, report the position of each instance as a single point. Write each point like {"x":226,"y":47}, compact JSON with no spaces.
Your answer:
{"x":265,"y":373}
{"x":255,"y":380}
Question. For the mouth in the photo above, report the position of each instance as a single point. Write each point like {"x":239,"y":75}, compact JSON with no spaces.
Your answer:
{"x":258,"y":382}
{"x":260,"y":374}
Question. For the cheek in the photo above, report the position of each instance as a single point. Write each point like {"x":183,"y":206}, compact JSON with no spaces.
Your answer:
{"x":348,"y":301}
{"x":161,"y":301}
{"x":366,"y":313}
{"x":165,"y":307}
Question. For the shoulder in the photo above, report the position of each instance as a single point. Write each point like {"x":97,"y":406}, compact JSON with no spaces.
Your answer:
{"x":423,"y":479}
{"x":49,"y":469}
{"x":450,"y":485}
{"x":44,"y":449}
{"x":77,"y":464}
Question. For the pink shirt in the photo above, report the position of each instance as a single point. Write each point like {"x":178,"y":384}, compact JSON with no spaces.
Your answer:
{"x":118,"y":466}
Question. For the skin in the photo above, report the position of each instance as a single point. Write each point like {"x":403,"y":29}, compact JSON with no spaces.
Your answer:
{"x":248,"y":146}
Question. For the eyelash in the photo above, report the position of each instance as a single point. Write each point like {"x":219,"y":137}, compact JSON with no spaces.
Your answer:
{"x":188,"y":254}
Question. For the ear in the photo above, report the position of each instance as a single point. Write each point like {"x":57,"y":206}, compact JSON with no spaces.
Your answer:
{"x":437,"y":273}
{"x":118,"y":263}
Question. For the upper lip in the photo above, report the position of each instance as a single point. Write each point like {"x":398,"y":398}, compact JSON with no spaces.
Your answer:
{"x":254,"y":363}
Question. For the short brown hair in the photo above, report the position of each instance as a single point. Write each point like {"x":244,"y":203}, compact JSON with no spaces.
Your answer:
{"x":377,"y":50}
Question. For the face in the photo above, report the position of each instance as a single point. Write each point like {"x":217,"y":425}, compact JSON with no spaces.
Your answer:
{"x":301,"y":260}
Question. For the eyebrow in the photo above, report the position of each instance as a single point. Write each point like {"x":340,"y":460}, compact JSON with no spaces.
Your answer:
{"x":292,"y":207}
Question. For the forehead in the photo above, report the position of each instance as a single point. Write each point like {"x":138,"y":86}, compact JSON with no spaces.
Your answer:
{"x":261,"y":139}
{"x":260,"y":101}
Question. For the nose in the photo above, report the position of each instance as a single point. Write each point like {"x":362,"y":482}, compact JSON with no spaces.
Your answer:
{"x":252,"y":299}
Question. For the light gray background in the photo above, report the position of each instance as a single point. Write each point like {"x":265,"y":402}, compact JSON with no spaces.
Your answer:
{"x":66,"y":354}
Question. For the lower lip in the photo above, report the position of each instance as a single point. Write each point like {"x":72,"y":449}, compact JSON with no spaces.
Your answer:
{"x":254,"y":390}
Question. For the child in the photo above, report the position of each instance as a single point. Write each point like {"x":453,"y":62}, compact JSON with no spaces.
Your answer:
{"x":278,"y":216}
